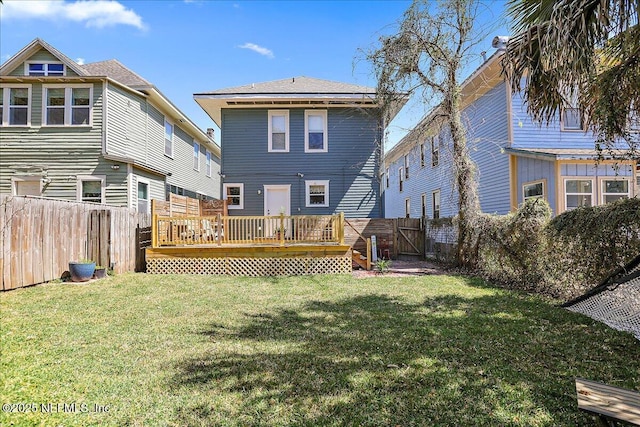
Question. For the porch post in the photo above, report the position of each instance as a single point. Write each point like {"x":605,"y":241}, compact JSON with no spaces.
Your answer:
{"x":282,"y":230}
{"x":154,"y":231}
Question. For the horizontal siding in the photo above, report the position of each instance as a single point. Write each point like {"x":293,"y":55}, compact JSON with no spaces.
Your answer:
{"x":136,"y":130}
{"x":487,"y":135}
{"x":528,"y":134}
{"x":64,"y":152}
{"x":350,"y":163}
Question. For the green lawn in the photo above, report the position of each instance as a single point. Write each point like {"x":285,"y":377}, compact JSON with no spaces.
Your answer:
{"x":323,"y":350}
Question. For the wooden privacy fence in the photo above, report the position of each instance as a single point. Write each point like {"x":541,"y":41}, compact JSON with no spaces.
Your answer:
{"x":40,"y":236}
{"x":185,"y":206}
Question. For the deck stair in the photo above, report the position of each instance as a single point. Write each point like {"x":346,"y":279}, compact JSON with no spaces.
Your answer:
{"x":360,"y":259}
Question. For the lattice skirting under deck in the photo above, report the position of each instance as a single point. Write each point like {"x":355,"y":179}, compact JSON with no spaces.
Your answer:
{"x":251,"y":266}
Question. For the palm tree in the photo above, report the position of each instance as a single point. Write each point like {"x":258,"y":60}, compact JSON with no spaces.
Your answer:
{"x":579,"y":51}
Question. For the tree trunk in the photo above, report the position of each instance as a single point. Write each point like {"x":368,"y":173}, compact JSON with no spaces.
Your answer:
{"x":464,"y":172}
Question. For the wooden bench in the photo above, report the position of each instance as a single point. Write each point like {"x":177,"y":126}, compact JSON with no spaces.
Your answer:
{"x":609,"y":404}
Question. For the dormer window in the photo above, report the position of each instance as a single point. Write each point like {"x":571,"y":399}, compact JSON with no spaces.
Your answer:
{"x":45,"y":69}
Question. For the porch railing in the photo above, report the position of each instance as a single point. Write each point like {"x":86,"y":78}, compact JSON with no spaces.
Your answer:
{"x":274,"y":230}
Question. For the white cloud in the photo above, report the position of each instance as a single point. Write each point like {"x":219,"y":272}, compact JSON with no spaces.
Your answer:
{"x":93,"y":13}
{"x":259,"y":49}
{"x":80,"y":61}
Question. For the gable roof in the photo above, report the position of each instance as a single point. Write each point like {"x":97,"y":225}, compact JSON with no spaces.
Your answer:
{"x":296,"y":91}
{"x":30,"y":49}
{"x":113,"y":69}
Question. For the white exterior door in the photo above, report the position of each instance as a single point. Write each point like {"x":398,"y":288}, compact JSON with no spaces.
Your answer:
{"x":277,"y":200}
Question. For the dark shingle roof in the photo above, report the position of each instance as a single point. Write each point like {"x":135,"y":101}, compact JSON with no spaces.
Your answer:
{"x":116,"y":71}
{"x":297,"y":85}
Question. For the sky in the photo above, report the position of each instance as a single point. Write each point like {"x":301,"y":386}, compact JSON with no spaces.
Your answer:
{"x":193,"y":46}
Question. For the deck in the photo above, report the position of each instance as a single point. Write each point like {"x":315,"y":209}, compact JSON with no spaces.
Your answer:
{"x":249,"y":245}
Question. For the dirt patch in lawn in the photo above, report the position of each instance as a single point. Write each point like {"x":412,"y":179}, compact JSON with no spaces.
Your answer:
{"x":400,"y":268}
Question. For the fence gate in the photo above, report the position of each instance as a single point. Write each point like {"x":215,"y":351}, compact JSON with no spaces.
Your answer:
{"x":99,"y":237}
{"x":410,"y":232}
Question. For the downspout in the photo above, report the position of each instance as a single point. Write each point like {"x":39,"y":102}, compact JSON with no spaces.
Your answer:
{"x":513,"y":161}
{"x":105,"y":146}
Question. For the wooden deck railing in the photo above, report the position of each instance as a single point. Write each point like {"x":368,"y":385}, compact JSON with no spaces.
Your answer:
{"x":221,"y":230}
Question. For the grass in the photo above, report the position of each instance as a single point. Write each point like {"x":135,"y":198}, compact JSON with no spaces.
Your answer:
{"x":323,"y":350}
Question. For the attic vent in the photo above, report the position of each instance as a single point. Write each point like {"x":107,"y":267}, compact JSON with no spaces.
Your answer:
{"x":500,"y":42}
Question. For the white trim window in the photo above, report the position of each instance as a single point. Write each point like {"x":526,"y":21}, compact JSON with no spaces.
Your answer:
{"x":407,"y":208}
{"x":67,"y":106}
{"x":406,"y":166}
{"x":401,"y":179}
{"x":196,"y":156}
{"x":208,"y":163}
{"x":534,"y":190}
{"x":435,"y":151}
{"x":143,"y":196}
{"x":91,"y":188}
{"x":317,"y":194}
{"x":168,"y":138}
{"x":578,"y":192}
{"x":423,"y":205}
{"x":278,"y":131}
{"x":315,"y":131}
{"x":26,"y":186}
{"x":15,"y":105}
{"x":613,"y":189}
{"x":44,"y":69}
{"x":234,"y":195}
{"x":572,"y":119}
{"x":423,"y":156}
{"x":435,"y":204}
{"x":386,"y":174}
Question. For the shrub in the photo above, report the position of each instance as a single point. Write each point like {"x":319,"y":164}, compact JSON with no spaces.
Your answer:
{"x":560,"y":257}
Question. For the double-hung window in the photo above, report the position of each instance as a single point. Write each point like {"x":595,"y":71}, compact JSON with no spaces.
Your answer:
{"x":407,"y":208}
{"x":435,"y":151}
{"x":208,"y":163}
{"x":91,"y":188}
{"x":67,"y":106}
{"x":422,"y":155}
{"x":315,"y":131}
{"x":143,"y":196}
{"x":278,"y":131}
{"x":168,"y":139}
{"x":423,"y":206}
{"x":406,"y":166}
{"x":614,"y":189}
{"x":578,"y":192}
{"x":386,"y":177}
{"x":15,"y":106}
{"x":317,"y":193}
{"x":196,"y":156}
{"x":234,"y":195}
{"x":400,"y":179}
{"x":435,"y":200}
{"x":45,"y":69}
{"x":572,"y":118}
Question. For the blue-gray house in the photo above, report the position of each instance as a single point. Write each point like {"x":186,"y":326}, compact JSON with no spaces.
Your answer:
{"x":516,"y":159}
{"x":299,"y":146}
